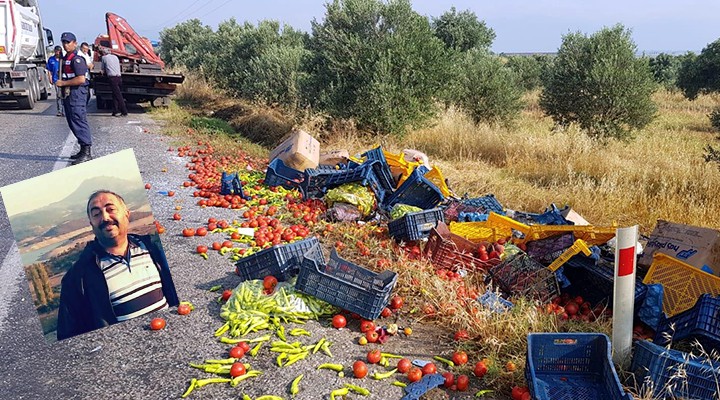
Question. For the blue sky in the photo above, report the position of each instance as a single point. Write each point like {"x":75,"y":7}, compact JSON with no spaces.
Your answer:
{"x":521,"y":26}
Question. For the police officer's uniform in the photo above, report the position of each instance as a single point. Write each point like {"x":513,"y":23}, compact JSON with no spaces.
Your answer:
{"x":74,"y":103}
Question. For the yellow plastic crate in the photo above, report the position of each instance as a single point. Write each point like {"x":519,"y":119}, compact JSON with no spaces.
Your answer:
{"x":577,"y":247}
{"x":478,"y":232}
{"x":399,"y":166}
{"x":436,"y":177}
{"x":682,"y":283}
{"x":592,"y":235}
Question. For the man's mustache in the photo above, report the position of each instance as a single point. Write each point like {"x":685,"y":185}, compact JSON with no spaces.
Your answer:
{"x":106,"y":223}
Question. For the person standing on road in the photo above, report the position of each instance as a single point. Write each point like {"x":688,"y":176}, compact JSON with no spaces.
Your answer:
{"x":53,"y":67}
{"x":119,"y":276}
{"x":74,"y":87}
{"x":111,"y":68}
{"x":87,"y":55}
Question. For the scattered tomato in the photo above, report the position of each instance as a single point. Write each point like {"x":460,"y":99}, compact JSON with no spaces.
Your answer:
{"x":177,"y":217}
{"x":404,"y":365}
{"x":386,"y":312}
{"x":460,"y":358}
{"x":188,"y":232}
{"x":201,"y":231}
{"x":480,"y":369}
{"x":148,"y":186}
{"x":510,"y":366}
{"x":372,"y":336}
{"x":414,"y":374}
{"x":429,"y":369}
{"x":216,"y":246}
{"x":237,"y":369}
{"x":339,"y":321}
{"x":449,"y":379}
{"x":270,"y":282}
{"x":184,"y":309}
{"x":374,"y":356}
{"x":226,"y":294}
{"x":244,"y":345}
{"x":237,"y":352}
{"x":201,"y":249}
{"x":396,"y":303}
{"x":366,"y":326}
{"x":360,"y":369}
{"x":463,"y":382}
{"x":461,"y":335}
{"x":157,"y":323}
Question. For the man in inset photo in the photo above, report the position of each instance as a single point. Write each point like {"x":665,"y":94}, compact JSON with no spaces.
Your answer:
{"x":118,"y":276}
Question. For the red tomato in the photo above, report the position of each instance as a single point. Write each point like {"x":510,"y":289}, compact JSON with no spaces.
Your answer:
{"x":526,"y":396}
{"x":366,"y":325}
{"x":227,"y":244}
{"x":171,"y":193}
{"x":372,"y":336}
{"x":177,"y":217}
{"x":216,"y":246}
{"x":429,"y":369}
{"x":374,"y":356}
{"x":188,"y":232}
{"x":360,"y":369}
{"x":237,"y":369}
{"x":157,"y":323}
{"x":244,"y":345}
{"x":449,"y":379}
{"x":480,"y":369}
{"x":237,"y":352}
{"x":460,"y":358}
{"x":461,"y":335}
{"x":339,"y":321}
{"x":148,"y":186}
{"x":184,"y":309}
{"x":226,"y":294}
{"x":202,"y":249}
{"x":415,"y":374}
{"x":462,"y":383}
{"x":396,"y":303}
{"x":270,"y":282}
{"x":404,"y":365}
{"x":386,"y":312}
{"x":571,"y":308}
{"x":201,"y":231}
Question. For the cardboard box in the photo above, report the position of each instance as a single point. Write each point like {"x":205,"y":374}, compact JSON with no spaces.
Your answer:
{"x":574,"y":217}
{"x":694,"y":245}
{"x":334,"y":157}
{"x":300,"y":151}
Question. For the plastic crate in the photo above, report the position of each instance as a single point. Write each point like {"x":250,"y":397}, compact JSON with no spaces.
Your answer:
{"x":551,"y":216}
{"x":364,"y":174}
{"x":570,"y":366}
{"x":478,"y":232}
{"x":547,"y":250}
{"x":701,"y":322}
{"x":671,"y":373}
{"x":281,"y":261}
{"x":592,"y":235}
{"x":315,"y":180}
{"x":382,"y":169}
{"x":576,"y":248}
{"x":416,"y":191}
{"x":480,"y":205}
{"x":447,"y":250}
{"x":278,"y":174}
{"x":595,"y":281}
{"x":344,"y":284}
{"x":415,"y":226}
{"x":682,"y":283}
{"x":520,"y":275}
{"x":435,"y":176}
{"x":486,"y":203}
{"x":399,"y":166}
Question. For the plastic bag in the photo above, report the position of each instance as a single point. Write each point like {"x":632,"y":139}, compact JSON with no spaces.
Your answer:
{"x":352,"y":193}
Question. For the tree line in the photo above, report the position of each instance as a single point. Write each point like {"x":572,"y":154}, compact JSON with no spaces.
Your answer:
{"x":390,"y":69}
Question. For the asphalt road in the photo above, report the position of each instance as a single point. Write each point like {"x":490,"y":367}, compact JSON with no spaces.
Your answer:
{"x":127,"y":360}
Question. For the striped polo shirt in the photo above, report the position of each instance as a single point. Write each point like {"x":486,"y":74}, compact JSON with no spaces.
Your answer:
{"x":133,"y":282}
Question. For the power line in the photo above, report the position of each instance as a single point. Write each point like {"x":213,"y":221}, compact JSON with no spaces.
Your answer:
{"x":186,"y":13}
{"x":213,"y":10}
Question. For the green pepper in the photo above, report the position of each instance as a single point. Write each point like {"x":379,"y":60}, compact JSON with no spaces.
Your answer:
{"x":294,"y":387}
{"x":190,"y":388}
{"x":358,"y":389}
{"x":378,"y":376}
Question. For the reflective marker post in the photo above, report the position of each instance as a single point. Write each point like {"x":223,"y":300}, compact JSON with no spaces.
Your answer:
{"x":624,"y":293}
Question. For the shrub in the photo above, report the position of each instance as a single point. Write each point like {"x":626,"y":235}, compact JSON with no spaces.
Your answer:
{"x":665,"y":69}
{"x":598,"y":83}
{"x":376,"y":62}
{"x":701,"y":74}
{"x":487,"y":90}
{"x":462,"y":31}
{"x":715,"y":118}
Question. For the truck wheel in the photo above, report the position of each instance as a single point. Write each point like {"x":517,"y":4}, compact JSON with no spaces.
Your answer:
{"x":44,"y":93}
{"x":27,"y":102}
{"x":34,"y":84}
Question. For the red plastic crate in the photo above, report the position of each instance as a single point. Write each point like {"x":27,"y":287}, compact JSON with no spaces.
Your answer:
{"x":447,"y":250}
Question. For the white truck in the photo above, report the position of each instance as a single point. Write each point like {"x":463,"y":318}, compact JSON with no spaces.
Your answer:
{"x":24,"y":49}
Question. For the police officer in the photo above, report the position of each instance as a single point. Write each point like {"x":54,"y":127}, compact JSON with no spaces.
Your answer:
{"x":74,"y":86}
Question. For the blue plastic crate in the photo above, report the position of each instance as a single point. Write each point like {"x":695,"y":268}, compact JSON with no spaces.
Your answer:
{"x":572,"y":366}
{"x":278,"y":174}
{"x":230,"y":184}
{"x":494,"y":302}
{"x":416,"y":191}
{"x":595,"y":281}
{"x":551,"y":216}
{"x":316,"y":180}
{"x":487,"y":203}
{"x":671,"y":373}
{"x":281,"y":261}
{"x":416,"y":225}
{"x":365,"y":174}
{"x":701,"y":322}
{"x":382,"y":169}
{"x":344,"y":284}
{"x":520,"y":275}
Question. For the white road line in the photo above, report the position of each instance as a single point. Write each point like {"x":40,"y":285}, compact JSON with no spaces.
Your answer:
{"x":65,"y":152}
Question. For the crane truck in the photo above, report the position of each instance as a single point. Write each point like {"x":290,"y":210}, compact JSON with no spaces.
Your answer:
{"x":24,"y":49}
{"x":142,"y":71}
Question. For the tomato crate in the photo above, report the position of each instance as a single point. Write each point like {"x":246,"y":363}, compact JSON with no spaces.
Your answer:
{"x":520,"y":275}
{"x":449,"y":251}
{"x":702,"y":322}
{"x":595,"y":280}
{"x":416,"y":191}
{"x":682,"y":283}
{"x":344,"y":284}
{"x":667,"y":373}
{"x":365,"y":174}
{"x":281,"y":261}
{"x":416,"y":225}
{"x":278,"y":174}
{"x":382,"y":169}
{"x":567,"y":366}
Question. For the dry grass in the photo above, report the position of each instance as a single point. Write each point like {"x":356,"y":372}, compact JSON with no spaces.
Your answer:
{"x":659,"y":175}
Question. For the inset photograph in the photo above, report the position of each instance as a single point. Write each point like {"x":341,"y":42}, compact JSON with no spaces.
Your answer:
{"x":90,"y":248}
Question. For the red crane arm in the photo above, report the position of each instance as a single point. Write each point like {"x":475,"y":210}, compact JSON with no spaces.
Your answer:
{"x":121,"y":33}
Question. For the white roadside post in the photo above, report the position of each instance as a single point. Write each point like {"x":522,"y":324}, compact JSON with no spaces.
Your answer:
{"x":624,"y":293}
